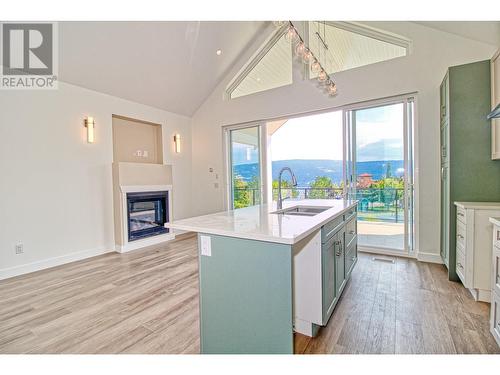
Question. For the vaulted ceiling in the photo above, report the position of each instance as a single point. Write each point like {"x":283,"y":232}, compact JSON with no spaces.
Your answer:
{"x":174,"y":65}
{"x":168,"y":65}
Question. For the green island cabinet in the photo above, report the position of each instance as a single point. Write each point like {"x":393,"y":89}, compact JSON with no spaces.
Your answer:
{"x":255,"y":294}
{"x":467,"y":172}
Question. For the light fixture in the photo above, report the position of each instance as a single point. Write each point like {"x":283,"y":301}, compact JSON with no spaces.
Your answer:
{"x":332,"y":88}
{"x":322,"y":76}
{"x":291,"y":34}
{"x":300,"y":48}
{"x":90,"y":124}
{"x":307,"y":56}
{"x":177,"y":142}
{"x":315,"y":66}
{"x":218,"y":52}
{"x":304,"y":53}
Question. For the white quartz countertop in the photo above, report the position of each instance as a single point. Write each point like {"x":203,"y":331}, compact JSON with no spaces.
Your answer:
{"x":495,"y":221}
{"x":260,"y":223}
{"x":479,"y":205}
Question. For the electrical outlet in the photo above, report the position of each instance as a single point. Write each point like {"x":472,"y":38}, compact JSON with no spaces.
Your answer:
{"x":19,"y":248}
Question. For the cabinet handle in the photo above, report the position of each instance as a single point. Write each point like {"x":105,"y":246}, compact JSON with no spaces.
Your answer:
{"x":339,"y":251}
{"x":351,"y":232}
{"x":460,"y":214}
{"x":460,"y":236}
{"x":353,"y":259}
{"x":459,"y":265}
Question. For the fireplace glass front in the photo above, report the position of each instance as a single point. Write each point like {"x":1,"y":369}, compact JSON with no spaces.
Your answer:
{"x":147,"y":214}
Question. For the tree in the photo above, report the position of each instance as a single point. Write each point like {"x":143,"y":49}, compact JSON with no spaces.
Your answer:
{"x":285,"y":186}
{"x":241,"y":196}
{"x":321,"y":187}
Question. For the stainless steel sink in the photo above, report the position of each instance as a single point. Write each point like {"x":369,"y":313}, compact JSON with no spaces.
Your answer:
{"x":303,"y":210}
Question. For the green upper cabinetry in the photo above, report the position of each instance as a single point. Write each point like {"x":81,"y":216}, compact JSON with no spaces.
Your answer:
{"x":467,"y":171}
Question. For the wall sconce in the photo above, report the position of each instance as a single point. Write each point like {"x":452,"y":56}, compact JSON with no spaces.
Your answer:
{"x":177,"y":142}
{"x":90,"y":124}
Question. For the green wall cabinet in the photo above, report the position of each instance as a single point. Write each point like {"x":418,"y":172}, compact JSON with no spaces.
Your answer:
{"x":467,"y":171}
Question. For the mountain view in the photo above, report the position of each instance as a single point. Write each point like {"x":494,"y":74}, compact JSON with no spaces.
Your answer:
{"x":307,"y":170}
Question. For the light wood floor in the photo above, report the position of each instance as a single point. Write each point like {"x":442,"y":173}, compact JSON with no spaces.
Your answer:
{"x":147,"y":302}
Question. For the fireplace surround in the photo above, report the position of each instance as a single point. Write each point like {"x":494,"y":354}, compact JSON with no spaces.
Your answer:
{"x":142,"y":204}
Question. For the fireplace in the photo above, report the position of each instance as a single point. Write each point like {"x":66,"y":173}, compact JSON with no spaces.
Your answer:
{"x":147,"y":213}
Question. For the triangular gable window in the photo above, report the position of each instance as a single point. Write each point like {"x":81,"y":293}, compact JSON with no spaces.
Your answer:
{"x":271,"y":67}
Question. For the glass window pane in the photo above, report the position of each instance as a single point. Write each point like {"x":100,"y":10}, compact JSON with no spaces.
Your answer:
{"x":245,"y":167}
{"x":273,"y":70}
{"x":347,"y":49}
{"x":313,"y":147}
{"x":380,"y":184}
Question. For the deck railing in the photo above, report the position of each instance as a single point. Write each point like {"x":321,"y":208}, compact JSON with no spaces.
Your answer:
{"x":375,"y":204}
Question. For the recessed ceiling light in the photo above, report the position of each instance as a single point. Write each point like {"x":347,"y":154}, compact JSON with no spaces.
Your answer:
{"x":218,"y":52}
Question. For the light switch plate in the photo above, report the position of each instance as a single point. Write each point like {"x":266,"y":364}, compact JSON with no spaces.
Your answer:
{"x":206,"y":246}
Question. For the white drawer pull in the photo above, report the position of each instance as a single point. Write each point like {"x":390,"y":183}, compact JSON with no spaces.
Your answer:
{"x":459,"y":265}
{"x":460,"y":236}
{"x":460,"y":214}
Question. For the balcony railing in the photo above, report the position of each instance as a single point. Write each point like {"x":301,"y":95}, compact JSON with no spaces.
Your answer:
{"x":375,"y":204}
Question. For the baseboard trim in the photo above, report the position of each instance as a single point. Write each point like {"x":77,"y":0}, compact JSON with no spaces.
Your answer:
{"x":7,"y":273}
{"x":429,"y":258}
{"x":480,"y":295}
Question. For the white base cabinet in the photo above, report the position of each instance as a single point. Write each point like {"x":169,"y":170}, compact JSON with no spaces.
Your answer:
{"x":495,"y":282}
{"x":473,"y":246}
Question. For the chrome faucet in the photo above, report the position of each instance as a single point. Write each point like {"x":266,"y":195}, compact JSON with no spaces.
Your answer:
{"x":294,"y":183}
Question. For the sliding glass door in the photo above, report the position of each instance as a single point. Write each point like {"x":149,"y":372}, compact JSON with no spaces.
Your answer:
{"x":245,"y":166}
{"x":364,"y":151}
{"x":380,"y":151}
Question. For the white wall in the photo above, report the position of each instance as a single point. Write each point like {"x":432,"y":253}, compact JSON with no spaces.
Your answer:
{"x":422,"y":71}
{"x":55,"y":188}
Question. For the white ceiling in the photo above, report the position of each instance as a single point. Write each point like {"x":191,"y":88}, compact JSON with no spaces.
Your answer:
{"x":168,"y":65}
{"x":482,"y":31}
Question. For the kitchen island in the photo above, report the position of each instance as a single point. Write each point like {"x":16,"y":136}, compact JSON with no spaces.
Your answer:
{"x":265,"y":273}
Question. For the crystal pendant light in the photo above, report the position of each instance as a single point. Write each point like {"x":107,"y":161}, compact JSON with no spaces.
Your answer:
{"x":291,"y":34}
{"x":307,"y":56}
{"x":322,"y":76}
{"x":332,"y":88}
{"x":300,"y":48}
{"x":315,"y":66}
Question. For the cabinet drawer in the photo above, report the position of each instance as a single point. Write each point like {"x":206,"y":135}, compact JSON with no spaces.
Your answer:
{"x":461,"y":215}
{"x":351,"y":257}
{"x":460,"y":263}
{"x":350,"y":230}
{"x":461,"y":233}
{"x":349,"y":214}
{"x":496,"y":270}
{"x":495,"y":317}
{"x":329,"y":229}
